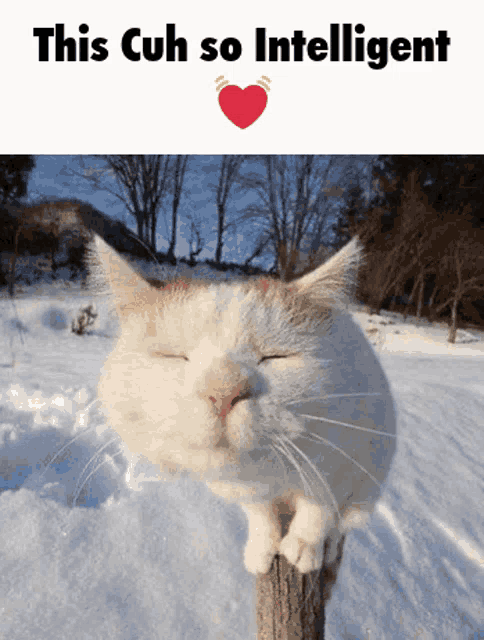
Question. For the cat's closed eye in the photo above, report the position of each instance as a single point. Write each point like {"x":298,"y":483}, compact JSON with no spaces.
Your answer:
{"x":154,"y":353}
{"x":273,"y":357}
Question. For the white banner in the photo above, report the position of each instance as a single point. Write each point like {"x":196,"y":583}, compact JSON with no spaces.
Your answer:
{"x":250,"y":77}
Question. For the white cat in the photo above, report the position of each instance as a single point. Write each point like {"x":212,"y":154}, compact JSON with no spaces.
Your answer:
{"x":266,"y":391}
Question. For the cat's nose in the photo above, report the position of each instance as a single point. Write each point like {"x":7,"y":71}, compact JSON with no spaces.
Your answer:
{"x":225,"y":404}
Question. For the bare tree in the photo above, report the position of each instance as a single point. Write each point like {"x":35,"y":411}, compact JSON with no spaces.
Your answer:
{"x":428,"y":247}
{"x":141,"y":185}
{"x":263,"y":241}
{"x":14,"y":176}
{"x":382,"y":272}
{"x":465,"y":260}
{"x":386,"y":269}
{"x":229,"y":170}
{"x":179,"y":169}
{"x":49,"y":218}
{"x":14,"y":256}
{"x":196,"y":242}
{"x":418,"y":236}
{"x":408,"y":251}
{"x":293,"y":203}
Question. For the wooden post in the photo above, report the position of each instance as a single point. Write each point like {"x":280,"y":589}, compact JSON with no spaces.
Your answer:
{"x":290,"y":605}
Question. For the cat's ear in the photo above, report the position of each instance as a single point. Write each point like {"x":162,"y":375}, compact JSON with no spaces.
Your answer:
{"x":331,"y":282}
{"x":108,"y":270}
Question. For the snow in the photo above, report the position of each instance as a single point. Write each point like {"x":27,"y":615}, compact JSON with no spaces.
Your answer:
{"x":92,"y":548}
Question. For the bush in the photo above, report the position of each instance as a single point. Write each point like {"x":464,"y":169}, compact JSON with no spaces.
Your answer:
{"x":85,"y":319}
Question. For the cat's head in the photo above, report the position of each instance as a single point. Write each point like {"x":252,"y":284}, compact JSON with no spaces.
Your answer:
{"x":205,"y":371}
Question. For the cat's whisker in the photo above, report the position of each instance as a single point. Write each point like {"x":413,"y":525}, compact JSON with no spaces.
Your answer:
{"x":298,"y":468}
{"x":119,"y":453}
{"x":353,"y":395}
{"x":304,"y":477}
{"x":322,"y":398}
{"x":283,"y":466}
{"x":287,"y":442}
{"x":318,"y":474}
{"x":76,"y":497}
{"x":284,"y":449}
{"x":62,"y":449}
{"x":354,"y":426}
{"x":81,"y":483}
{"x":318,"y":438}
{"x":312,"y":582}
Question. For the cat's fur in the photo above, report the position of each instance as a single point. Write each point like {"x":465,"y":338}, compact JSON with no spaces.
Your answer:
{"x":266,"y":391}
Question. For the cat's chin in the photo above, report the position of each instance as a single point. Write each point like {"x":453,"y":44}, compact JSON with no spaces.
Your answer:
{"x":198,"y":461}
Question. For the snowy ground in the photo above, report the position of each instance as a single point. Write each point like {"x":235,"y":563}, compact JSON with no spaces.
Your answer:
{"x":84,"y":556}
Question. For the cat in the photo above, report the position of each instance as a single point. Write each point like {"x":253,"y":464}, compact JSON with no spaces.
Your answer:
{"x":267,"y":391}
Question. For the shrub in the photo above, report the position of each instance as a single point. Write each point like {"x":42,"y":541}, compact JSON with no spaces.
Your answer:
{"x":85,"y":319}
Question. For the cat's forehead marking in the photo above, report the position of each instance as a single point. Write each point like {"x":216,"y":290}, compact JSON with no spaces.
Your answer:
{"x":259,"y":313}
{"x":224,"y":309}
{"x":266,"y":285}
{"x":190,"y":313}
{"x":172,"y":286}
{"x":227,"y":298}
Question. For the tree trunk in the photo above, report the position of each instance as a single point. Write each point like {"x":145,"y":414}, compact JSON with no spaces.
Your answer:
{"x":414,"y":289}
{"x":139,"y":225}
{"x":179,"y":175}
{"x":431,"y":304}
{"x":291,"y":605}
{"x":153,"y":231}
{"x":282,"y":257}
{"x":171,"y":248}
{"x":52,"y":259}
{"x":220,"y":231}
{"x":420,"y":299}
{"x":378,"y":304}
{"x":453,"y":322}
{"x":13,"y":265}
{"x":11,"y":276}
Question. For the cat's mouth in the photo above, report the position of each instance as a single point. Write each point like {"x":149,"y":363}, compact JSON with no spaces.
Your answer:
{"x":223,"y":443}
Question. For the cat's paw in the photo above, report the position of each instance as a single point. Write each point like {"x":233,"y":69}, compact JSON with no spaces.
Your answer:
{"x":304,"y":556}
{"x":258,"y":557}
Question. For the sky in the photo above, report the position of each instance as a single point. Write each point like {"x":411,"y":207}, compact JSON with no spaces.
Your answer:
{"x":55,"y":176}
{"x":60,"y":177}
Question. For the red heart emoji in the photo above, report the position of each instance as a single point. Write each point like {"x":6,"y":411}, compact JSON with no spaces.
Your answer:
{"x":242,"y":106}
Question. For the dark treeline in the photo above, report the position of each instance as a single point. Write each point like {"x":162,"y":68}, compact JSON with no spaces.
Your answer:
{"x":424,"y":237}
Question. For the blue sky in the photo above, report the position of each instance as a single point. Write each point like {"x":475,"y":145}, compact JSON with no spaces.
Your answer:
{"x":60,"y":177}
{"x":55,"y":176}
